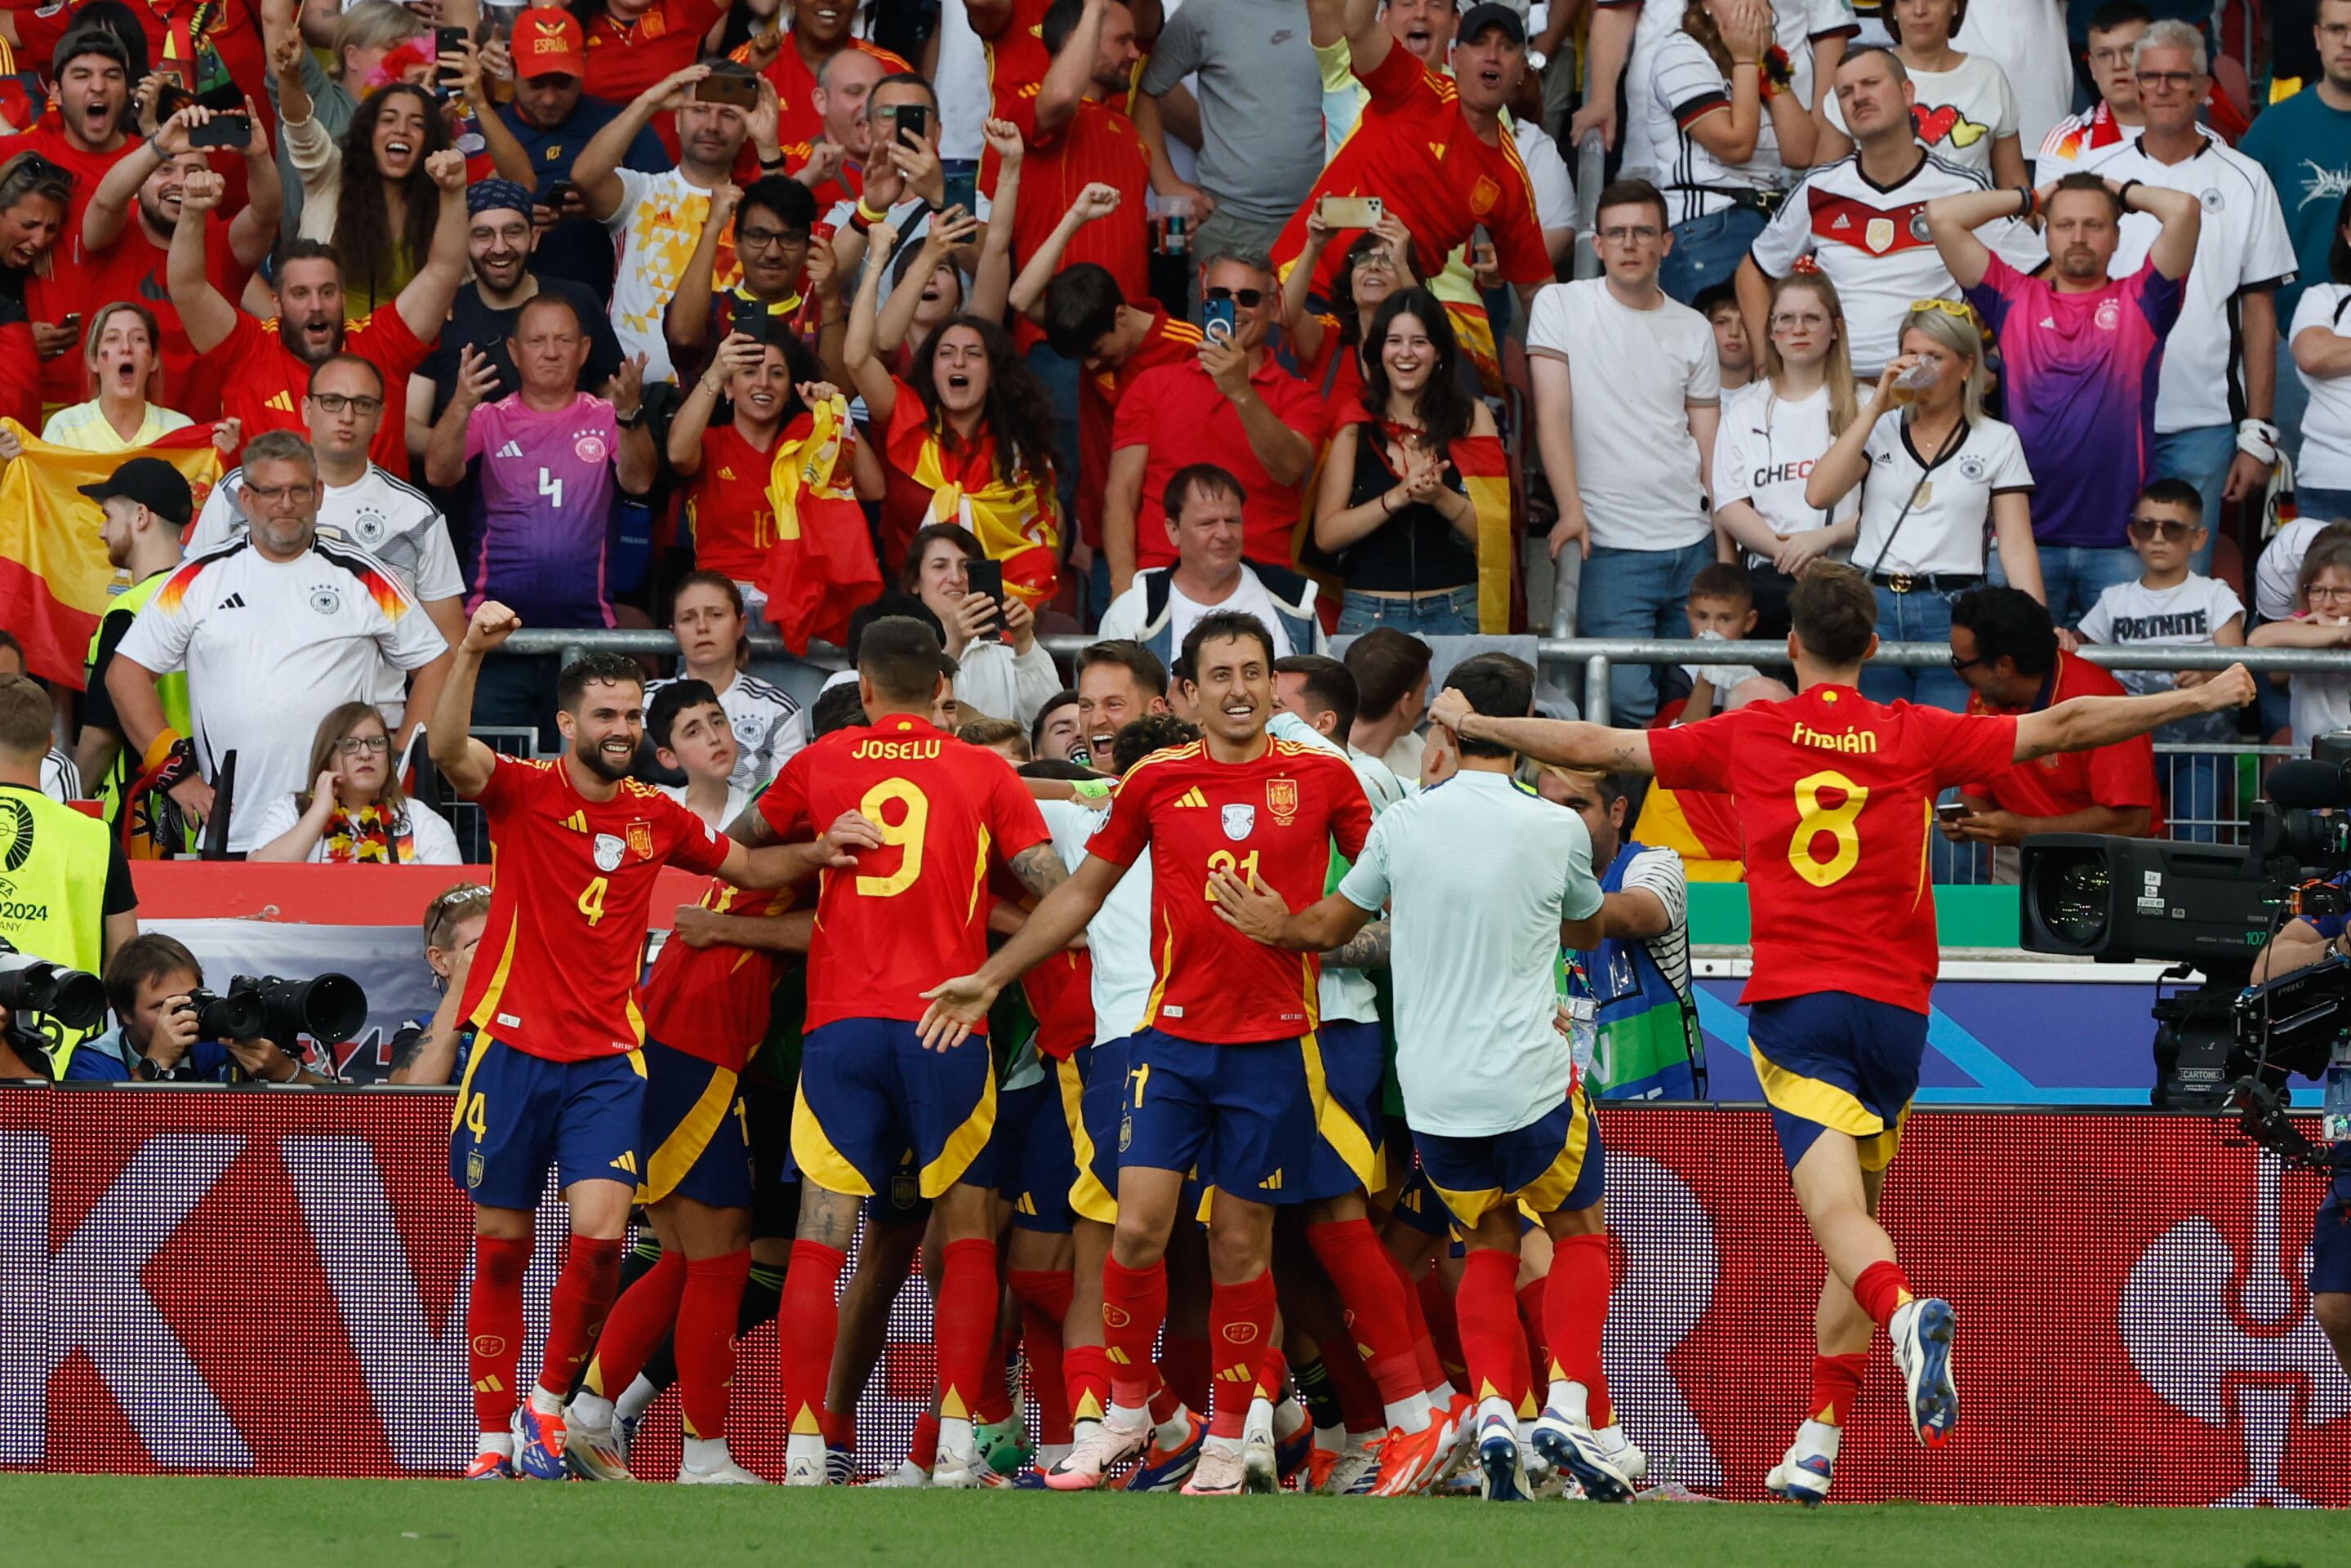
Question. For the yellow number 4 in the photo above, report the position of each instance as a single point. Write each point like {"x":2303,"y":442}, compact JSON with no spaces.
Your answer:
{"x":592,"y":900}
{"x":1842,"y":821}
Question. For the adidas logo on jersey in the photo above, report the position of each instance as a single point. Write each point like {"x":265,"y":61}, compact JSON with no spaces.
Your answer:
{"x":1842,"y":222}
{"x":283,"y":402}
{"x":1192,"y":797}
{"x":233,"y":601}
{"x":511,"y":449}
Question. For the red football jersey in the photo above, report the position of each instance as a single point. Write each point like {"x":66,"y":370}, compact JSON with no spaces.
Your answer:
{"x":712,"y":1002}
{"x":262,"y":381}
{"x":1834,"y":795}
{"x":2064,"y":783}
{"x":1166,"y":342}
{"x":572,"y":881}
{"x":1271,"y":821}
{"x":1060,"y":993}
{"x":914,"y":912}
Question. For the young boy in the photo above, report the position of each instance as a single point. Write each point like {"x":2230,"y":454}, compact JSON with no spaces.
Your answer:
{"x":2171,"y":605}
{"x":1721,"y":609}
{"x":690,"y":733}
{"x":1733,"y":354}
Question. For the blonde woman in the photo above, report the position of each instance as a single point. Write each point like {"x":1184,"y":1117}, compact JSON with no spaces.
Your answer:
{"x":436,"y":1053}
{"x":355,"y":814}
{"x":1944,"y":482}
{"x":119,"y":367}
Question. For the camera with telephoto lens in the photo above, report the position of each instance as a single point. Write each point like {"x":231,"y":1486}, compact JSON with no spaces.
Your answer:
{"x":237,"y":1016}
{"x":29,"y":984}
{"x":331,"y":1008}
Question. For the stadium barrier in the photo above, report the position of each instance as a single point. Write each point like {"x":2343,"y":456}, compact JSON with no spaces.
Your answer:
{"x":183,"y":1272}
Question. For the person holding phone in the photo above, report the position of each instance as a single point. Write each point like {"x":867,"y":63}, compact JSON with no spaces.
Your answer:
{"x":1002,"y":670}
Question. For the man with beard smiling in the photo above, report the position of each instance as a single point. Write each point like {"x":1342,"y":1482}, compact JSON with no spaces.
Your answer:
{"x":262,"y":371}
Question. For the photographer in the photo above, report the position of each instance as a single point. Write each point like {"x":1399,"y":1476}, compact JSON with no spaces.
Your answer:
{"x":2303,"y":943}
{"x":149,"y":984}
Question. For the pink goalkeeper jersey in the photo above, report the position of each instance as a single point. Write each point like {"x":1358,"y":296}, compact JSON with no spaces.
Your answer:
{"x":543,"y":529}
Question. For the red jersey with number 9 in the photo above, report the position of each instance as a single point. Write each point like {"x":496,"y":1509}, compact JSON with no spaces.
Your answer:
{"x":571,"y":884}
{"x":914,"y":912}
{"x":1834,"y":794}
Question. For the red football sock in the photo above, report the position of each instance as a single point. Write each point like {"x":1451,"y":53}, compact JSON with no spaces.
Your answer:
{"x":1085,"y":1372}
{"x":1044,"y":1298}
{"x":924,"y":1450}
{"x":1423,"y":1349}
{"x":807,"y":1326}
{"x":706,"y":1340}
{"x":839,"y":1428}
{"x":1882,"y":1288}
{"x":646,"y":1311}
{"x":493,"y":1328}
{"x":962,"y":1325}
{"x":575,"y":1310}
{"x":1184,"y":1362}
{"x":1444,"y":1325}
{"x":1351,"y":1254}
{"x":1531,"y":1319}
{"x":1241,"y":1325}
{"x":994,"y":1400}
{"x":1360,"y":1405}
{"x":1272,"y":1375}
{"x":1490,"y":1336}
{"x":1575,"y":1312}
{"x":1836,"y":1383}
{"x":1135,"y":1302}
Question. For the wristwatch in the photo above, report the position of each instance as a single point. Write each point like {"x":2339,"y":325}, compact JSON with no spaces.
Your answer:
{"x":146,"y":1072}
{"x":631,"y":419}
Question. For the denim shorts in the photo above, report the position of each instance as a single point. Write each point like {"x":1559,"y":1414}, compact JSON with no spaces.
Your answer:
{"x":1451,"y":613}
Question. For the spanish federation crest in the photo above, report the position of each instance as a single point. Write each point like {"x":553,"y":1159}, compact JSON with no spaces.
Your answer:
{"x":608,"y":850}
{"x":1239,"y":822}
{"x":640,"y":839}
{"x":1282,"y":799}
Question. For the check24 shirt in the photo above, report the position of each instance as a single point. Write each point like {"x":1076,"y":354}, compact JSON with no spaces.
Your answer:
{"x":1271,"y":821}
{"x":572,"y":886}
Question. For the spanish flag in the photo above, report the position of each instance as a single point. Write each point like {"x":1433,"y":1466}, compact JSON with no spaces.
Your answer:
{"x":1700,"y":827}
{"x":1017,"y":521}
{"x":55,"y":578}
{"x":821,"y":566}
{"x":1485,"y":471}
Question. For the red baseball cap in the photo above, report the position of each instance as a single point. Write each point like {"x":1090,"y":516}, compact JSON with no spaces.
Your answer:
{"x":547,"y":42}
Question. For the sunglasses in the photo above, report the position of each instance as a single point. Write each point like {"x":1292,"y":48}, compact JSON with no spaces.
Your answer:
{"x":2146,"y":528}
{"x":1247,"y":298}
{"x":1948,"y":307}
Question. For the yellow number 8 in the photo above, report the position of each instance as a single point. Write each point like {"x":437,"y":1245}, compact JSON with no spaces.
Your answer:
{"x":1813,"y":819}
{"x":907,"y":833}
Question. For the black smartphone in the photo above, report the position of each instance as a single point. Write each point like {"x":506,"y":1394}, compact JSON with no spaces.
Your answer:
{"x":557,"y":192}
{"x":914,"y":122}
{"x":738,"y":88}
{"x":986,"y":577}
{"x":449,"y":43}
{"x":232,"y":131}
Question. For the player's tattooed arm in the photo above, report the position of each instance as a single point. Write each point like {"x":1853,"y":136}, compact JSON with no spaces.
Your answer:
{"x":751,"y":830}
{"x":1367,"y":949}
{"x":1040,"y":868}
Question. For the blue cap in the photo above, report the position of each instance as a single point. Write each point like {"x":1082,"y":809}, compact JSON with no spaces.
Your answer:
{"x":484,"y":195}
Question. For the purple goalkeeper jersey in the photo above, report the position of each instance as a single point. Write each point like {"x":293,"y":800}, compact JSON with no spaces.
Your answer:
{"x":2080,"y":372}
{"x":542,"y":531}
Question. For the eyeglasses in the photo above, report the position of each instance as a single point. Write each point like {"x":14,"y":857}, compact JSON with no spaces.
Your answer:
{"x":2145,"y":528}
{"x":1365,"y":260}
{"x":270,"y":495}
{"x":364,"y":744}
{"x":767,"y":239}
{"x":1247,"y":298}
{"x":1964,"y":665}
{"x":2316,"y":591}
{"x":2179,"y":81}
{"x":1957,"y":308}
{"x":1787,"y":321}
{"x":335,"y":403}
{"x":1639,"y":235}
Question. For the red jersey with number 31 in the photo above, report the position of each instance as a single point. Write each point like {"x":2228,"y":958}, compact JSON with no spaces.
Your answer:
{"x":914,"y":912}
{"x":1270,"y":821}
{"x":571,"y":884}
{"x":1834,"y":794}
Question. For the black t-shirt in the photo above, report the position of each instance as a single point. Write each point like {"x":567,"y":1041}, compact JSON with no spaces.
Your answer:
{"x":471,"y":321}
{"x":97,"y":702}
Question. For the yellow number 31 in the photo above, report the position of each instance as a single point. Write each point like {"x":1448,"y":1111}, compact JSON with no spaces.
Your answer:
{"x":1842,"y":821}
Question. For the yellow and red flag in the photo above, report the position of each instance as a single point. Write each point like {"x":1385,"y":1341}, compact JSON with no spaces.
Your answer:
{"x":1485,"y":470}
{"x":54,"y":579}
{"x":821,"y":566}
{"x":1700,"y":827}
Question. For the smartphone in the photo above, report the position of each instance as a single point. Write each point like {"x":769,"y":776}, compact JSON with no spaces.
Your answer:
{"x":737,"y":88}
{"x":449,"y":43}
{"x":986,"y":577}
{"x":914,"y":122}
{"x":232,"y":131}
{"x":1218,"y":318}
{"x":1949,"y":812}
{"x":72,"y":322}
{"x":556,"y":192}
{"x":1350,"y":211}
{"x":170,"y":99}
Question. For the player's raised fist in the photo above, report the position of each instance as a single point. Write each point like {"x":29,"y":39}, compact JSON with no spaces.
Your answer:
{"x":491,"y":624}
{"x":2232,"y":687}
{"x":1449,"y":710}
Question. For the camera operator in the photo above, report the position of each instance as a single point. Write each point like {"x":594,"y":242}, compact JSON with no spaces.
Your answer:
{"x":149,"y":984}
{"x":2303,"y":942}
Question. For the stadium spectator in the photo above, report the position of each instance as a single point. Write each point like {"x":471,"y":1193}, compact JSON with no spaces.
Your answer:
{"x":2083,"y":140}
{"x":2319,"y":701}
{"x":2304,"y":145}
{"x":832,"y":163}
{"x":436,"y":1053}
{"x":2026,"y":39}
{"x":1391,"y":671}
{"x":1206,"y":509}
{"x":706,"y":616}
{"x":2172,"y":606}
{"x":1235,"y":400}
{"x":1056,"y":735}
{"x":905,"y":183}
{"x":1260,"y":109}
{"x":363,"y":45}
{"x":2213,"y":407}
{"x":86,"y":132}
{"x":1850,"y":213}
{"x":2006,"y":649}
{"x":275,"y":632}
{"x":1939,"y":477}
{"x":35,"y":194}
{"x":355,"y":812}
{"x":126,"y":241}
{"x":1734,"y":352}
{"x":1721,"y":609}
{"x":631,"y":46}
{"x":370,"y":194}
{"x":1626,"y":409}
{"x":1961,"y":106}
{"x":1328,"y":345}
{"x":1408,"y":501}
{"x":60,"y":777}
{"x":690,"y":733}
{"x":1772,"y":432}
{"x":939,"y":290}
{"x":820,"y":33}
{"x":2320,"y":342}
{"x":119,"y":369}
{"x":1738,"y":131}
{"x":786,"y":285}
{"x":142,"y":534}
{"x":2081,"y":350}
{"x":1812,"y":35}
{"x":160,"y":1037}
{"x":1002,"y":670}
{"x":262,"y":375}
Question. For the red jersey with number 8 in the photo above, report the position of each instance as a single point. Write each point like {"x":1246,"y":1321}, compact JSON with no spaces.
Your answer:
{"x":914,"y":912}
{"x":571,"y":884}
{"x":1834,"y":794}
{"x":1272,"y":822}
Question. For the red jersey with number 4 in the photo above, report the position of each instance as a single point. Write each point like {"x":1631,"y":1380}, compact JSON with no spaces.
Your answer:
{"x":712,"y":1002}
{"x":571,"y":884}
{"x":1834,"y":794}
{"x":1270,"y":821}
{"x":914,"y":912}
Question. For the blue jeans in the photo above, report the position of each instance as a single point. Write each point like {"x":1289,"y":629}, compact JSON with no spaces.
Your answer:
{"x":2201,"y":456}
{"x":1707,"y":251}
{"x":1637,"y":593}
{"x":1453,"y":613}
{"x":2072,"y":576}
{"x":1061,"y":377}
{"x":1914,"y":617}
{"x":2333,"y":504}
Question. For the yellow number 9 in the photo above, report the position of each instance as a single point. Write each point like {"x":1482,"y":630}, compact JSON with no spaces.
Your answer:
{"x":1813,"y":819}
{"x":907,"y":833}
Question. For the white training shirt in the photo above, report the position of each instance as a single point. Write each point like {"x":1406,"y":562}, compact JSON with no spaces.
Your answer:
{"x":270,"y":649}
{"x":1482,"y":871}
{"x":1342,"y":996}
{"x":1949,"y":525}
{"x":1634,"y":375}
{"x":2244,"y":245}
{"x":2186,"y":614}
{"x":1119,"y":935}
{"x":2325,"y":461}
{"x":1764,"y":451}
{"x":761,"y":716}
{"x":431,"y":840}
{"x":1959,"y":113}
{"x":1683,"y":86}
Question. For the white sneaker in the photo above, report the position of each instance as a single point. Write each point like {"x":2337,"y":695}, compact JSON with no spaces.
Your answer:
{"x":804,"y":1463}
{"x":1353,"y":1463}
{"x":1570,"y":1445}
{"x":1261,"y":1462}
{"x":956,"y":1472}
{"x":1100,"y":1448}
{"x":1922,"y":1332}
{"x":594,"y":1453}
{"x":1805,"y":1470}
{"x":907,"y":1474}
{"x":1220,"y":1472}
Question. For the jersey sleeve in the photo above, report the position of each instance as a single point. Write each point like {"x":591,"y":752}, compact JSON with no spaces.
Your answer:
{"x":1517,"y":234}
{"x":2160,"y":299}
{"x":1174,"y":55}
{"x":2225,"y":605}
{"x":438,"y":575}
{"x":1961,"y":748}
{"x":1685,"y":82}
{"x":1396,"y":80}
{"x":508,"y":781}
{"x":1789,"y":235}
{"x":1131,"y":426}
{"x":1014,"y":821}
{"x":2010,"y":471}
{"x":2099,"y":622}
{"x":695,"y":844}
{"x":478,"y":433}
{"x":406,"y":634}
{"x":1351,"y":809}
{"x":784,"y":803}
{"x":1994,"y":296}
{"x":2269,"y":248}
{"x":1697,"y":756}
{"x":1731,"y":471}
{"x":1365,"y":885}
{"x":1120,"y":839}
{"x":1547,"y":323}
{"x":216,"y":524}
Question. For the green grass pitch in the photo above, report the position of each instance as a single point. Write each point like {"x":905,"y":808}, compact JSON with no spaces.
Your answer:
{"x":99,"y":1522}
